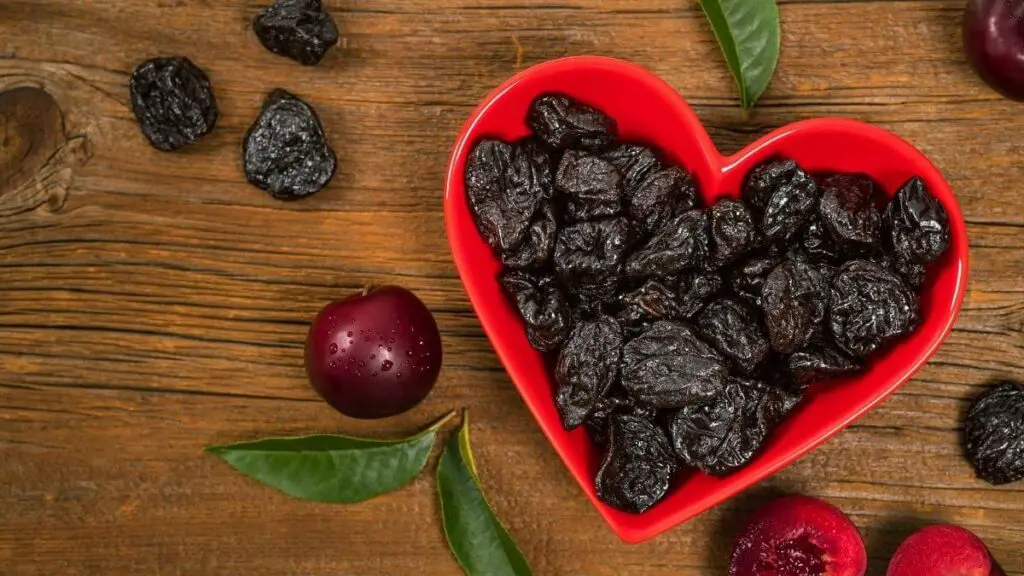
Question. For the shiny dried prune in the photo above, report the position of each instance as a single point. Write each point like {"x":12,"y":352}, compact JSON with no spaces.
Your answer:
{"x":298,"y":29}
{"x":587,"y":367}
{"x":173,"y":101}
{"x":795,"y":299}
{"x":733,"y":231}
{"x":849,"y":213}
{"x":589,"y":257}
{"x":634,"y":162}
{"x":732,"y":328}
{"x":747,"y":278}
{"x":504,"y":188}
{"x":544,"y":163}
{"x":916,"y":224}
{"x":662,"y":195}
{"x":592,"y":187}
{"x":913,"y":273}
{"x":820,"y":360}
{"x":870,"y":306}
{"x":695,"y":289}
{"x":538,"y":243}
{"x":597,"y":423}
{"x":562,"y":122}
{"x":814,"y":244}
{"x":542,"y":307}
{"x":680,"y":245}
{"x":638,"y":464}
{"x":649,"y":303}
{"x":285,"y":151}
{"x":994,"y":433}
{"x":668,"y":366}
{"x":784,"y":196}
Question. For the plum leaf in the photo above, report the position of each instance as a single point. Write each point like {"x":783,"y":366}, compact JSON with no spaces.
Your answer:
{"x":748,"y":32}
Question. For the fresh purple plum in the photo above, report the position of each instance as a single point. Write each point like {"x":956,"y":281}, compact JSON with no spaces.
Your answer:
{"x":994,"y":42}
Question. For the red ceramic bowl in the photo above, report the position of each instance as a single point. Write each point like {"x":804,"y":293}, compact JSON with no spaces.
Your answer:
{"x":648,"y":110}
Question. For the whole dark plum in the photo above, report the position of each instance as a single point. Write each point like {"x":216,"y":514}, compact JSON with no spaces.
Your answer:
{"x":994,"y":42}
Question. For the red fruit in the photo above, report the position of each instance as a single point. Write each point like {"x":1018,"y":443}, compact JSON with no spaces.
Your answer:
{"x":799,"y":536}
{"x":994,"y":42}
{"x":375,"y":354}
{"x":943,"y":550}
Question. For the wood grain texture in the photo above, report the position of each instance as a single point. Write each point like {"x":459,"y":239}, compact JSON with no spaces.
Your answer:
{"x":152,"y":303}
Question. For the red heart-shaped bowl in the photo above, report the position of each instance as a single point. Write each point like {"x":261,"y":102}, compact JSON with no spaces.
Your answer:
{"x":648,"y":110}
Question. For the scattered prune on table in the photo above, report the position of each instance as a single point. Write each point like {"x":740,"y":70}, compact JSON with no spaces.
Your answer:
{"x":732,"y":328}
{"x":285,"y":151}
{"x":747,"y":278}
{"x":589,"y":257}
{"x":680,"y":245}
{"x":849,"y":213}
{"x":298,"y":29}
{"x":592,"y":187}
{"x":870,"y":306}
{"x":587,"y":367}
{"x":821,"y":360}
{"x":173,"y":101}
{"x":651,"y":302}
{"x":733,"y":231}
{"x":795,"y":299}
{"x":814,"y":243}
{"x":784,"y":196}
{"x":542,"y":307}
{"x":562,"y":123}
{"x":635,"y":163}
{"x":538,"y":243}
{"x":638,"y":464}
{"x":695,"y":289}
{"x":504,"y":191}
{"x":994,"y":433}
{"x":668,"y":366}
{"x":916,"y":224}
{"x":661,"y":196}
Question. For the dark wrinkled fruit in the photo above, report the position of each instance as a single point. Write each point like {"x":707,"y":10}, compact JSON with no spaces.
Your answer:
{"x":589,"y":257}
{"x":869,"y":307}
{"x":747,"y":278}
{"x":795,"y":299}
{"x":298,"y":29}
{"x":681,"y":244}
{"x":637,"y":467}
{"x":784,"y":196}
{"x":659,"y":197}
{"x":733,"y":231}
{"x":587,"y":367}
{"x":814,"y":244}
{"x":732,"y":328}
{"x":668,"y":366}
{"x":649,"y":303}
{"x":994,"y":433}
{"x":286,"y":152}
{"x":562,"y":122}
{"x":173,"y":101}
{"x":504,"y":188}
{"x":695,"y":289}
{"x":917,"y":225}
{"x":538,"y":242}
{"x":542,"y":307}
{"x":614,"y":403}
{"x":849,"y":213}
{"x":819,"y":361}
{"x":635,"y":163}
{"x":592,"y":187}
{"x":913,"y":273}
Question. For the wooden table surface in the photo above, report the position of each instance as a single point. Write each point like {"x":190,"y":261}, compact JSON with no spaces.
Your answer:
{"x":154,"y":303}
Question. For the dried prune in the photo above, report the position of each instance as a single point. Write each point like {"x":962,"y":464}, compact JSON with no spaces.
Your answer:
{"x":649,"y":303}
{"x":634,"y":162}
{"x":589,"y":257}
{"x":820,"y":360}
{"x":994,"y":433}
{"x":173,"y":101}
{"x":592,"y":187}
{"x":562,"y":122}
{"x":747,"y":278}
{"x":733,"y":231}
{"x":538,"y":243}
{"x":286,"y":152}
{"x":815,"y":244}
{"x":913,"y":273}
{"x":659,"y":197}
{"x":587,"y":367}
{"x":504,"y":189}
{"x":795,"y":299}
{"x":638,"y":465}
{"x":543,"y":162}
{"x":599,"y":420}
{"x":870,"y":306}
{"x":916,"y":224}
{"x":680,"y":245}
{"x":695,"y":289}
{"x":725,"y":432}
{"x":849,"y":213}
{"x":542,"y":306}
{"x":668,"y":366}
{"x":298,"y":29}
{"x":784,"y":196}
{"x":732,"y":328}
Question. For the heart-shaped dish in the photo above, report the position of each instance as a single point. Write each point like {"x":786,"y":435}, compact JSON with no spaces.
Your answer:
{"x":650,"y":111}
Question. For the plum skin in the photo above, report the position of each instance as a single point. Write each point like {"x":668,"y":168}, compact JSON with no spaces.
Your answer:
{"x":375,"y":354}
{"x":940,"y":550}
{"x":993,"y":33}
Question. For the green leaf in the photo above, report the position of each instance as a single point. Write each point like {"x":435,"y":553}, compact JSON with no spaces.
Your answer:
{"x":480,"y":543}
{"x":331,"y":468}
{"x":748,"y":32}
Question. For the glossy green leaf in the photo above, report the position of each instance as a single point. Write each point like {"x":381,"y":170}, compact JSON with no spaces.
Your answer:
{"x":480,"y":543}
{"x":331,"y":468}
{"x":748,"y":32}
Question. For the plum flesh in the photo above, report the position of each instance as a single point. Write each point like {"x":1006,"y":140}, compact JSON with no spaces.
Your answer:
{"x":943,"y":550}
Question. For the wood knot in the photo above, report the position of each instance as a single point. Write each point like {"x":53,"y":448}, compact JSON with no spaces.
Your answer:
{"x":37,"y":157}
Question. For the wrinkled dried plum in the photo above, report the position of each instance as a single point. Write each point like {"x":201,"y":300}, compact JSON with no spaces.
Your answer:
{"x":795,"y":301}
{"x":661,"y":196}
{"x":814,"y":244}
{"x":587,"y":367}
{"x":733,"y":231}
{"x":542,"y":307}
{"x":994,"y":433}
{"x":298,"y":29}
{"x":286,"y":152}
{"x":913,"y":273}
{"x":695,"y":289}
{"x":173,"y":101}
{"x":589,"y":257}
{"x":747,"y":278}
{"x":849,"y":213}
{"x":504,"y":189}
{"x":591,"y":186}
{"x":682,"y":244}
{"x":732,"y":328}
{"x":634,"y":162}
{"x":820,"y":360}
{"x":917,"y":225}
{"x":649,"y":303}
{"x":668,"y":366}
{"x":597,"y":423}
{"x":638,"y":465}
{"x":870,"y":306}
{"x":784,"y":196}
{"x":544,"y":164}
{"x":538,"y":243}
{"x":562,"y":122}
